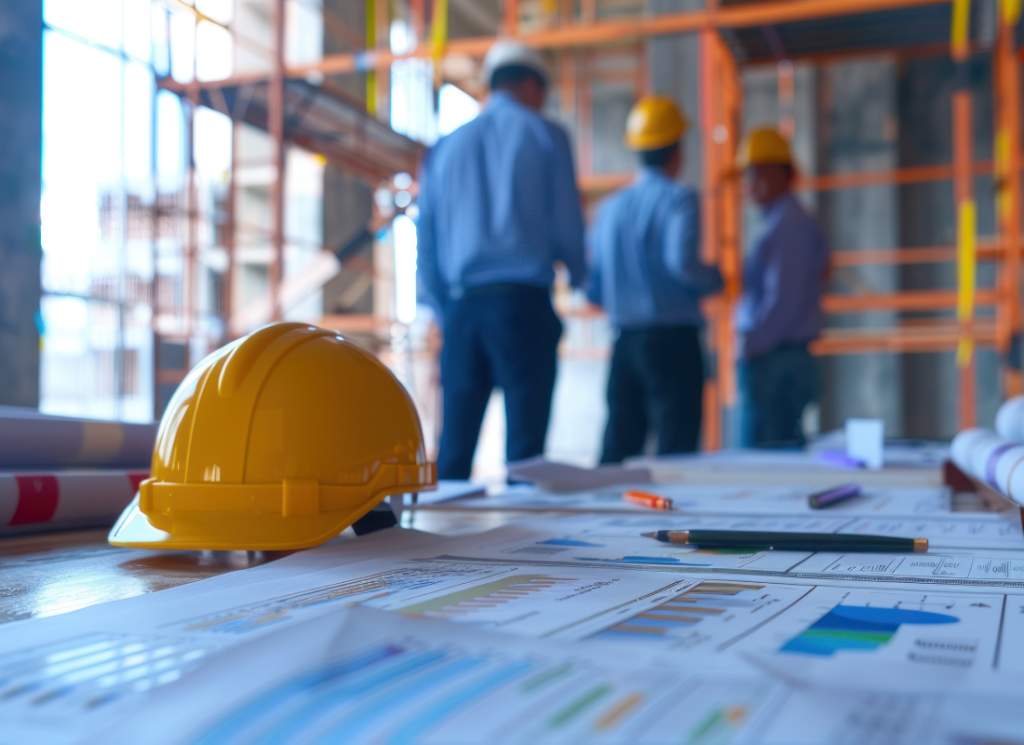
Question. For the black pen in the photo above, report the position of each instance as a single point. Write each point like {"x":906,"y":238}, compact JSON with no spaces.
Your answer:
{"x":882,"y":544}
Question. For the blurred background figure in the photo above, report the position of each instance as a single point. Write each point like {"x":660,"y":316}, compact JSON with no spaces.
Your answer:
{"x":780,"y":310}
{"x":647,"y":275}
{"x":498,"y":206}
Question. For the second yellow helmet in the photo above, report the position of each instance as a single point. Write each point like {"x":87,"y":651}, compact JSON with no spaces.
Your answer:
{"x":654,"y":122}
{"x":764,"y":146}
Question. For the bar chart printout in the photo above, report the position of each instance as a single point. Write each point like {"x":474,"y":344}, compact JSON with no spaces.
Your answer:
{"x":388,"y":678}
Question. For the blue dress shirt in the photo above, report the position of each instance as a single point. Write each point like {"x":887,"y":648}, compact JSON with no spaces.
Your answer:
{"x":498,"y":204}
{"x":645,"y":267}
{"x":783,"y":279}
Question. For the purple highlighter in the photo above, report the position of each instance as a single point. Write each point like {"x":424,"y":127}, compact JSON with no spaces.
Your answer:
{"x":832,"y":496}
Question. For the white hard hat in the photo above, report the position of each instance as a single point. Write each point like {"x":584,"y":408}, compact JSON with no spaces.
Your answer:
{"x":513,"y":53}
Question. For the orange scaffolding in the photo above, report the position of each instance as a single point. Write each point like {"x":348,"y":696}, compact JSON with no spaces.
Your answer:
{"x":582,"y":36}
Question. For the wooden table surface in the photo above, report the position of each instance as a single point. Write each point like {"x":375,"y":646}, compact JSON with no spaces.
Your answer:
{"x":53,"y":573}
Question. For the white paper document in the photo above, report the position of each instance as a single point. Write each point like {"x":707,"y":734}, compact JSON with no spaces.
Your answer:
{"x":562,"y":477}
{"x":746,"y":500}
{"x":596,"y":540}
{"x":363,"y":676}
{"x":68,"y":679}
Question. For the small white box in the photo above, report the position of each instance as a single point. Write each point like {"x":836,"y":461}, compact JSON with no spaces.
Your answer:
{"x":865,"y":441}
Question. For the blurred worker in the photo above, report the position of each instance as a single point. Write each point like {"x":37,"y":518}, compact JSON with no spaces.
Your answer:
{"x":647,"y":275}
{"x":780,"y":310}
{"x":498,"y":206}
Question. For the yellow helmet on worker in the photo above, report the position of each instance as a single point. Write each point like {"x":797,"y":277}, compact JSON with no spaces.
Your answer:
{"x":764,"y":146}
{"x":655,"y":122}
{"x":278,"y":441}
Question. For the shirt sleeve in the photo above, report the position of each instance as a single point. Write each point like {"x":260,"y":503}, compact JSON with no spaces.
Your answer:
{"x":593,"y":285}
{"x":430,"y":287}
{"x":681,"y":248}
{"x":775,"y":313}
{"x":566,"y":215}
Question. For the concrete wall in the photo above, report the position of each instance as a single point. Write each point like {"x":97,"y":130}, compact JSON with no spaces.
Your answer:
{"x":21,"y":44}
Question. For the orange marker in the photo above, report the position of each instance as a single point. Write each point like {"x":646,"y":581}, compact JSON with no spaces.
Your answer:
{"x":645,"y":499}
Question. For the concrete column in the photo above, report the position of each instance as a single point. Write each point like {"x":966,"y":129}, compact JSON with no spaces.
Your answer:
{"x":21,"y":85}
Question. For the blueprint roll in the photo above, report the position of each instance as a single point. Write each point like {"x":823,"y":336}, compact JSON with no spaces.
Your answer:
{"x":1009,"y":473}
{"x":28,"y":438}
{"x":964,"y":445}
{"x":993,"y":460}
{"x":1010,"y":419}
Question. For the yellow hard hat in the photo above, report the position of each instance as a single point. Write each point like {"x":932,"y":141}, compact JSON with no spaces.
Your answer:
{"x":654,"y":122}
{"x":277,"y":441}
{"x":764,"y":146}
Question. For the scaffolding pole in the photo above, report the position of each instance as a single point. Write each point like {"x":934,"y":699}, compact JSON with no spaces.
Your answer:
{"x":1008,"y":200}
{"x":275,"y":115}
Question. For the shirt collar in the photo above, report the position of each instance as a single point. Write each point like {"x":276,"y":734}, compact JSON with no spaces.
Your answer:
{"x":781,"y":202}
{"x":648,"y":173}
{"x":502,"y":98}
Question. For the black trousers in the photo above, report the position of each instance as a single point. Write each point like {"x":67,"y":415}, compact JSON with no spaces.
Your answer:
{"x":656,"y":383}
{"x":498,"y":335}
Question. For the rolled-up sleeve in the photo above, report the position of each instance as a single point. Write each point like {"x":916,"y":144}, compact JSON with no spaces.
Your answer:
{"x":681,"y":248}
{"x":567,"y":218}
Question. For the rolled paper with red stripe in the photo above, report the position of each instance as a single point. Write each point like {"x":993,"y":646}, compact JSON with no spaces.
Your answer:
{"x":992,"y":460}
{"x":31,"y":439}
{"x":36,"y":502}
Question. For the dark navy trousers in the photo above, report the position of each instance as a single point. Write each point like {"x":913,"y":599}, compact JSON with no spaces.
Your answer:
{"x":656,"y":383}
{"x":503,"y":335}
{"x":775,"y":388}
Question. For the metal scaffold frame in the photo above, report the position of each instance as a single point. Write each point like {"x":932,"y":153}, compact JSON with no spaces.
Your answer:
{"x":580,"y":38}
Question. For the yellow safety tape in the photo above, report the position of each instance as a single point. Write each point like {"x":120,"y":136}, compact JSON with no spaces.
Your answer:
{"x":1002,"y":171}
{"x":439,"y":30}
{"x":1011,"y":12}
{"x":961,"y":25}
{"x":966,"y":263}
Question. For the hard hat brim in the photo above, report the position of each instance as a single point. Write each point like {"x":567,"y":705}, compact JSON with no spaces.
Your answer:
{"x":133,"y":530}
{"x":249,"y":532}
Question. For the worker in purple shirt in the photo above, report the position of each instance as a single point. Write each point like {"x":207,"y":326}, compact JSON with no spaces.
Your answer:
{"x":779,"y":312}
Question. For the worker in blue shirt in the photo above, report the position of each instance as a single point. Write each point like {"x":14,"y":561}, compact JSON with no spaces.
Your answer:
{"x":498,"y":207}
{"x":645,"y":271}
{"x":779,"y":312}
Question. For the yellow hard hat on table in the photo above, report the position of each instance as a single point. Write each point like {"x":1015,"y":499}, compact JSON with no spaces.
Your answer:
{"x":278,"y":441}
{"x":764,"y":146}
{"x":654,"y":123}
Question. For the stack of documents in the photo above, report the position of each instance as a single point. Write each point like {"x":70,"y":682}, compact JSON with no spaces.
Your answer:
{"x":570,"y":627}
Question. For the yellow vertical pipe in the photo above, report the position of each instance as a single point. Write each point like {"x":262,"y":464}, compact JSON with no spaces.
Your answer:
{"x":371,"y":42}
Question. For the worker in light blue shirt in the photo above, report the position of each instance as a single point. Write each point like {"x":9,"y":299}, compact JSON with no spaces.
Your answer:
{"x":645,"y":271}
{"x":498,"y":207}
{"x":780,"y":310}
